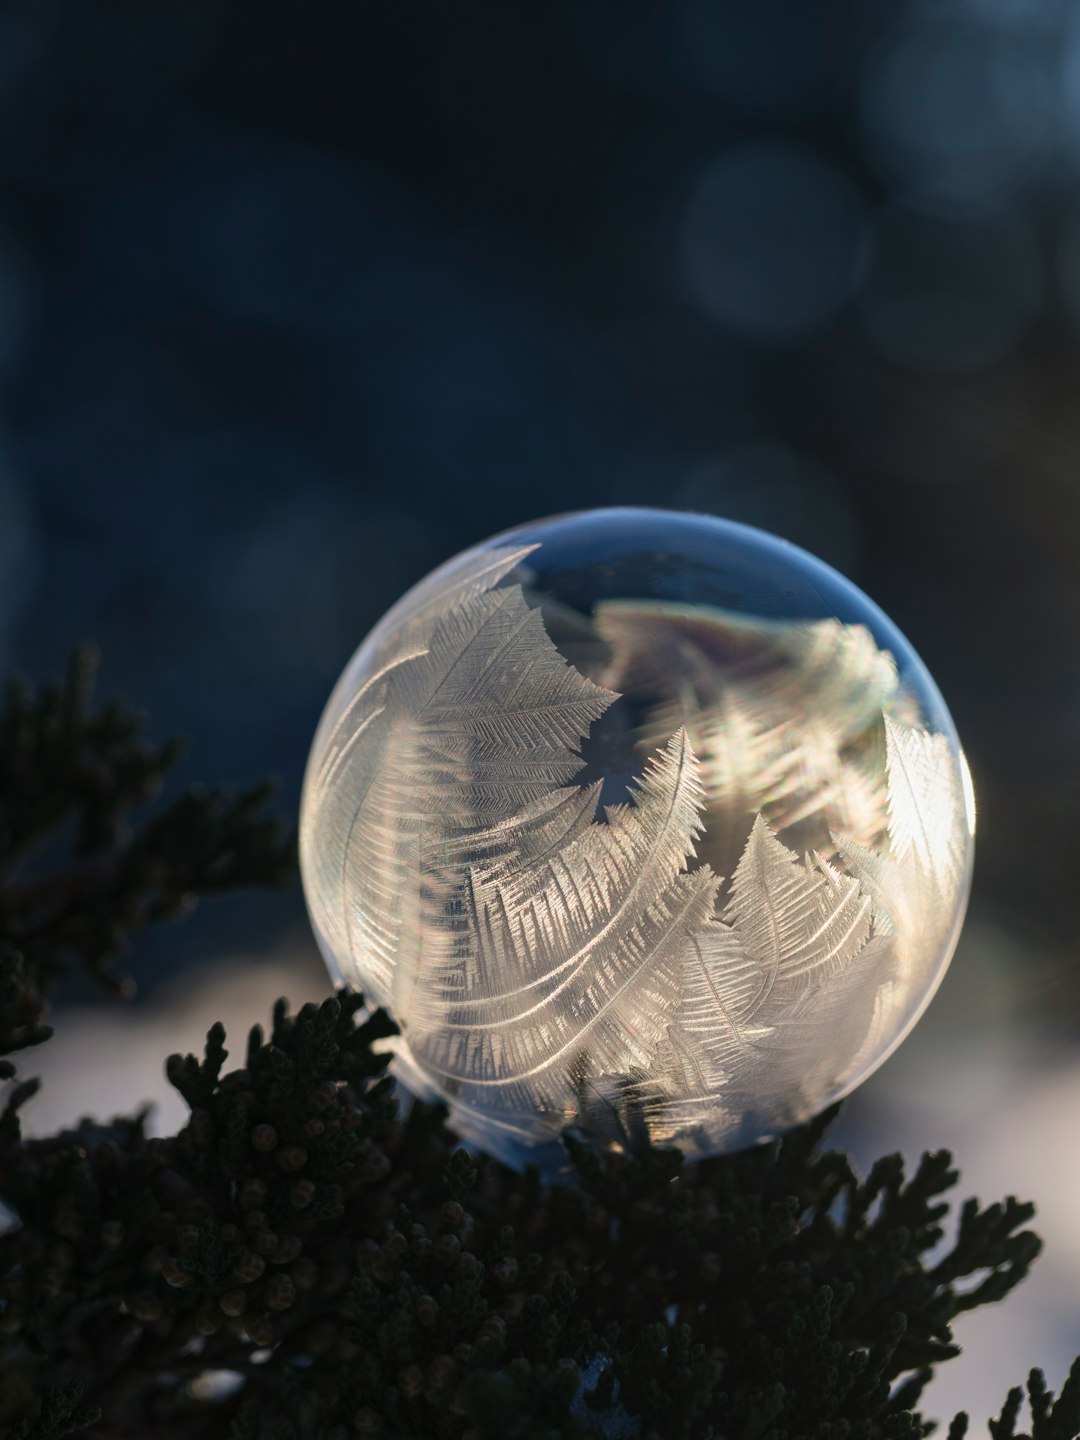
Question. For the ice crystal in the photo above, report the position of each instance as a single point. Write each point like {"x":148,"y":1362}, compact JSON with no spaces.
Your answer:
{"x":624,"y":862}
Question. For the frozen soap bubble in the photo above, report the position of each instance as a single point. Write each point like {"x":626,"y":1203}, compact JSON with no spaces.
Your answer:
{"x":641,"y":823}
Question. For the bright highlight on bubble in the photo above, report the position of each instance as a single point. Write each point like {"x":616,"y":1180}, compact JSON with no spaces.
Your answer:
{"x":639,"y":822}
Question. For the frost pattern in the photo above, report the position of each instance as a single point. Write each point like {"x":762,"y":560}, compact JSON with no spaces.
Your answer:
{"x":476,"y":716}
{"x":554,"y":961}
{"x":786,"y":716}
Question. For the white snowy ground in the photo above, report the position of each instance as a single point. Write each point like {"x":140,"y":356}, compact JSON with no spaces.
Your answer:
{"x":976,"y":1076}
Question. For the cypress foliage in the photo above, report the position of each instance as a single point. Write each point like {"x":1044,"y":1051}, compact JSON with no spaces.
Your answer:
{"x":307,"y":1260}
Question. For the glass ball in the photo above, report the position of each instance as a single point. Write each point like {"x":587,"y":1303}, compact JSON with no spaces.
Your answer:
{"x":644,"y":824}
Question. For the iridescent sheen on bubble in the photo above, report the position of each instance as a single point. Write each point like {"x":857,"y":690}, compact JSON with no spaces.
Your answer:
{"x":643,"y":823}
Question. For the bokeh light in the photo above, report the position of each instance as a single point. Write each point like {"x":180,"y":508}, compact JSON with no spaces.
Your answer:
{"x":962,"y":109}
{"x":771,"y":241}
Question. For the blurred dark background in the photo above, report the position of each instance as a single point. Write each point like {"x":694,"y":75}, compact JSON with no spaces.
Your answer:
{"x":297,"y":301}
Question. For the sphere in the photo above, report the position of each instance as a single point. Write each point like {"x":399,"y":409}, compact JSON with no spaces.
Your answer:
{"x":643,"y":824}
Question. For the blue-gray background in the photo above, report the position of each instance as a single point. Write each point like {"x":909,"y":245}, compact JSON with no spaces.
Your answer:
{"x":296,"y":301}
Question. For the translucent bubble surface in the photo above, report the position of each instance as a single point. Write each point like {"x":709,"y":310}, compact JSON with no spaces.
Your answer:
{"x":638,"y":822}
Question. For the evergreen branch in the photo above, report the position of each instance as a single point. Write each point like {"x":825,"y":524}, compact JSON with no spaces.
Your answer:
{"x":78,"y":875}
{"x":406,"y":1288}
{"x":353,"y":1270}
{"x":21,"y":1009}
{"x":62,"y":1413}
{"x":1050,"y":1419}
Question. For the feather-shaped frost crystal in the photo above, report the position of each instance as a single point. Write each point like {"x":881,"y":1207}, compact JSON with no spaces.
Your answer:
{"x":641,"y":823}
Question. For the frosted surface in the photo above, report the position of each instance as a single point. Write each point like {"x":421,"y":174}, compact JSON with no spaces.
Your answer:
{"x":640,"y":823}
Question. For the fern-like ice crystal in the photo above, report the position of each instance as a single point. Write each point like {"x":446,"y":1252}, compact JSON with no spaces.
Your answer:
{"x":668,"y":960}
